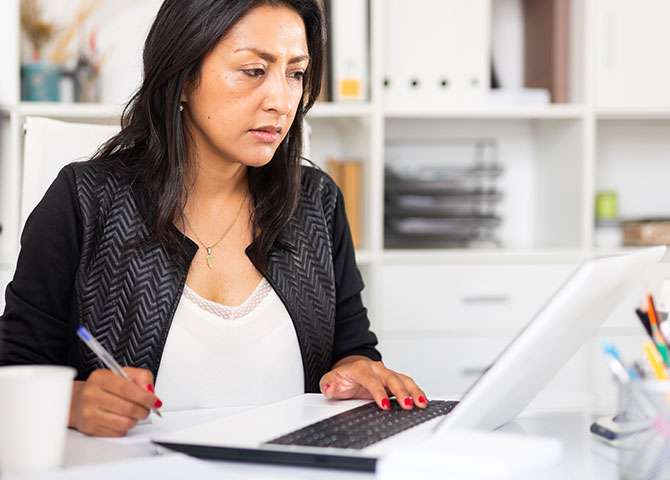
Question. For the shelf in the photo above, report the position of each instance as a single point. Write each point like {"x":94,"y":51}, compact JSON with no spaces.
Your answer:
{"x":72,"y":111}
{"x":648,"y":113}
{"x":364,"y":257}
{"x":521,"y":112}
{"x":6,"y":110}
{"x":602,"y":252}
{"x":340,"y":109}
{"x":473,"y":256}
{"x":7,"y":262}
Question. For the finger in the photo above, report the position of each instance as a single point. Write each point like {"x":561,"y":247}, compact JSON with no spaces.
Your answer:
{"x":94,"y":420}
{"x":397,"y":387}
{"x":123,"y":407}
{"x":141,"y":376}
{"x":375,"y":387}
{"x":119,"y":386}
{"x":326,"y":385}
{"x":418,"y":396}
{"x":112,"y":424}
{"x":336,"y":385}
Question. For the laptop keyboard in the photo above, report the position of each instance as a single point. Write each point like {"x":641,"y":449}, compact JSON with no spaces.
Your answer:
{"x":363,"y":426}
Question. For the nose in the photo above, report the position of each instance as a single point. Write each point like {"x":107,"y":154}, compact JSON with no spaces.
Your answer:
{"x":278,"y":94}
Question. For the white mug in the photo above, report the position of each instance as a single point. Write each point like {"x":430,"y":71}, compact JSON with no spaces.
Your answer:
{"x":34,"y":410}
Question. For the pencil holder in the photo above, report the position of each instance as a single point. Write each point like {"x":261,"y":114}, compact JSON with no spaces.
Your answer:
{"x":645,"y":447}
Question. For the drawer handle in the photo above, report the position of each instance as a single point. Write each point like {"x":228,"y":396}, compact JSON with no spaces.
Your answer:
{"x":474,"y":371}
{"x":484,"y":298}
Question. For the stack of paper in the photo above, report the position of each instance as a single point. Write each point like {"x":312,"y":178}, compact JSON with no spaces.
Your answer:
{"x":442,"y":194}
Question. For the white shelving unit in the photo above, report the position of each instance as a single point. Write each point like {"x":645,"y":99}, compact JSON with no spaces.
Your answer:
{"x":456,"y":308}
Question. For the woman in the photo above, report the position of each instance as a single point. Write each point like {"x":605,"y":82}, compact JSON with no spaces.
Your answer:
{"x":200,"y":203}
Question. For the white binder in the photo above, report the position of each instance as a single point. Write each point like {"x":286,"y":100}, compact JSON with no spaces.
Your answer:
{"x":349,"y":49}
{"x":436,"y":52}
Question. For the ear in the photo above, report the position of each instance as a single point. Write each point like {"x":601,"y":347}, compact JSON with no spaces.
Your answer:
{"x":185,"y":92}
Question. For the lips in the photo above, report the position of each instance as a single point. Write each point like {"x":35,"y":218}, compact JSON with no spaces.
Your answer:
{"x":266,"y":133}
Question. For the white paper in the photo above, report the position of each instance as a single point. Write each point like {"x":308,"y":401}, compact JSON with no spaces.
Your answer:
{"x":472,"y":454}
{"x":172,"y":421}
{"x":172,"y":466}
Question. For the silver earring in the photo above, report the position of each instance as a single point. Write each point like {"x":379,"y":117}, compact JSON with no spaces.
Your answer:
{"x":181,"y":107}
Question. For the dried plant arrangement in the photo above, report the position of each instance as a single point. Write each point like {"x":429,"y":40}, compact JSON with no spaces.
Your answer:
{"x":36,"y":29}
{"x":84,"y":10}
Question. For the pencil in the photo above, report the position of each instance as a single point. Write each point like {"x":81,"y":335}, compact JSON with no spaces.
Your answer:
{"x":653,"y":357}
{"x":658,"y":338}
{"x":644,"y":319}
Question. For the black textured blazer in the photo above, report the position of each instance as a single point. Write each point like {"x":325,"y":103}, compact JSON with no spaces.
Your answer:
{"x":83,"y":262}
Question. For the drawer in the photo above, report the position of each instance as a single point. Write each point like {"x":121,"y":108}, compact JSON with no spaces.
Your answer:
{"x":446,"y":366}
{"x":442,"y":366}
{"x":472,"y":297}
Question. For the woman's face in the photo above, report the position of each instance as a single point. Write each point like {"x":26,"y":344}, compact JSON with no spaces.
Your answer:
{"x":249,"y":90}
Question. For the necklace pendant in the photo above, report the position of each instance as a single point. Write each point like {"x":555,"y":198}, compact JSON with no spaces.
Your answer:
{"x":209,"y":258}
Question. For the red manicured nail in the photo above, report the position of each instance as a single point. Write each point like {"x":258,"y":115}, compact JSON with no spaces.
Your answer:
{"x":408,"y":402}
{"x":386,"y":404}
{"x":158,"y":404}
{"x":422,"y":399}
{"x":150,"y":387}
{"x":325,"y":389}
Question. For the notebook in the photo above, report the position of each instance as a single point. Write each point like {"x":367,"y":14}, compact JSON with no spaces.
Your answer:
{"x":546,"y":343}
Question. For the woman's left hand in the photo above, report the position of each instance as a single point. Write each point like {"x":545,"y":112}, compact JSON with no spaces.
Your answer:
{"x":359,"y":377}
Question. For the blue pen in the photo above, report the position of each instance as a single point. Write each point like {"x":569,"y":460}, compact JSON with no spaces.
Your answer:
{"x":628,"y":376}
{"x":623,"y":374}
{"x":104,"y":356}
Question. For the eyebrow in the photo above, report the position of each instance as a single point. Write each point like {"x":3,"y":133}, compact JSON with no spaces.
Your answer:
{"x":265,"y":55}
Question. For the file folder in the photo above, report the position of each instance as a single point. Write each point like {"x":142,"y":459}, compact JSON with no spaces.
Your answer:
{"x":349,"y":49}
{"x":436,"y":52}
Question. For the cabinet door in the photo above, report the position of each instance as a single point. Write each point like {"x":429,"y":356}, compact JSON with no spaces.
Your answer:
{"x":472,"y":298}
{"x":632,"y":42}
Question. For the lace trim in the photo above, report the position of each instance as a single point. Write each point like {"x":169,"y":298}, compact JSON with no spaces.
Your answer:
{"x":226,"y":312}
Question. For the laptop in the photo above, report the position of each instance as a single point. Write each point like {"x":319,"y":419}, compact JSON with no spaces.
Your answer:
{"x":311,"y":430}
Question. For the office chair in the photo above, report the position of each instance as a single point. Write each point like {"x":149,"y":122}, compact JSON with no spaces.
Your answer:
{"x":49,"y":145}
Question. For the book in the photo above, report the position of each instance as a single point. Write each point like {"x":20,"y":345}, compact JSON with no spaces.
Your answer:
{"x":347,"y":176}
{"x":547,"y":46}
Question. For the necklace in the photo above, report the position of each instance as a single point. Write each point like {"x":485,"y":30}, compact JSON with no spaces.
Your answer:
{"x":209,"y":249}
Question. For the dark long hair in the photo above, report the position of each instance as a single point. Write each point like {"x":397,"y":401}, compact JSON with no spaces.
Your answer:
{"x":151,"y":148}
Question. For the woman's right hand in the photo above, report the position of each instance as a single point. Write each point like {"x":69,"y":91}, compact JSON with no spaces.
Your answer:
{"x":108,"y":405}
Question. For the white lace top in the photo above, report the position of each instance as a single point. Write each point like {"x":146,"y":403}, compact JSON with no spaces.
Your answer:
{"x":216,"y":355}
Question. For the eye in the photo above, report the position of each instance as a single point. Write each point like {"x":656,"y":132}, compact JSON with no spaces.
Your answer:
{"x":254,"y":72}
{"x":299,"y":75}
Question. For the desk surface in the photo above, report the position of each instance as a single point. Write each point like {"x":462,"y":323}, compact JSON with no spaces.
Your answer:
{"x":584,"y":457}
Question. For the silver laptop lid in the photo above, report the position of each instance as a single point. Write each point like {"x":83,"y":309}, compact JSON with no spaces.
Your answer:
{"x":550,"y":339}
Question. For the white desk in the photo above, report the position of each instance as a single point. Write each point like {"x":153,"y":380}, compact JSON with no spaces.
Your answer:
{"x":584,"y":457}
